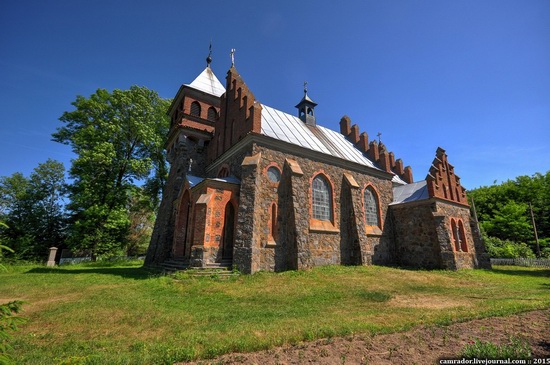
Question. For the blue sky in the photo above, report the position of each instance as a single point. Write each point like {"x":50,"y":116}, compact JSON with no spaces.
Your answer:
{"x":470,"y":76}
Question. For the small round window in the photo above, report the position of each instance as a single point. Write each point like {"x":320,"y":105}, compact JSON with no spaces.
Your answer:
{"x":273,"y":174}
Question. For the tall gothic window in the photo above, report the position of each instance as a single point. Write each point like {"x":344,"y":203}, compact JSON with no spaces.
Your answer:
{"x":371,"y":207}
{"x":195,"y":109}
{"x":321,"y":199}
{"x":224,"y":172}
{"x":273,"y":222}
{"x":456,"y":239}
{"x":462,"y":236}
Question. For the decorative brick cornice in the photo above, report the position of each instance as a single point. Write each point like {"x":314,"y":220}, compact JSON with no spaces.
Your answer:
{"x":442,"y":182}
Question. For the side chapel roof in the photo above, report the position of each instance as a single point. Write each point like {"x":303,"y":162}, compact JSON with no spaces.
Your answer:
{"x":410,"y":192}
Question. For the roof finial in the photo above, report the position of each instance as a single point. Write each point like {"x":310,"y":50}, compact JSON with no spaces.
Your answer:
{"x":379,"y":139}
{"x":305,"y":88}
{"x":209,"y":58}
{"x":232,"y":54}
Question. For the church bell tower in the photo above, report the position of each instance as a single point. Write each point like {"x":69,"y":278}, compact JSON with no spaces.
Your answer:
{"x":306,"y":109}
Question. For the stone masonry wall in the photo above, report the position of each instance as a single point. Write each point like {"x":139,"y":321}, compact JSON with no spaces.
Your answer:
{"x":475,"y":257}
{"x":299,"y":244}
{"x":163,"y":232}
{"x":424,"y":236}
{"x":416,"y":236}
{"x":245,"y":256}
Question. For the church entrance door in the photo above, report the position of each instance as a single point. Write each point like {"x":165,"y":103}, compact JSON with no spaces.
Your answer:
{"x":182,"y":227}
{"x":228,"y":232}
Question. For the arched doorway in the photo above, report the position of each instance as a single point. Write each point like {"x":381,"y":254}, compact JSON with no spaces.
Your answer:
{"x":228,"y":232}
{"x":182,"y":227}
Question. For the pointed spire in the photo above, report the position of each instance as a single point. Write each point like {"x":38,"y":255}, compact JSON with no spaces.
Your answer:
{"x":306,"y":108}
{"x":209,"y":58}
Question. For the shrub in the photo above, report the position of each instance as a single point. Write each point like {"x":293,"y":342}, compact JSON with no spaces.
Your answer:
{"x":8,"y":321}
{"x":506,"y":248}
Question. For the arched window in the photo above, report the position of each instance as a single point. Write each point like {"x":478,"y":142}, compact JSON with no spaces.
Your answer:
{"x":224,"y":172}
{"x":321,"y":199}
{"x":273,"y":174}
{"x":212,"y":113}
{"x":371,"y":208}
{"x":196,"y":109}
{"x":454,"y":230}
{"x":273,"y":222}
{"x":462,"y":237}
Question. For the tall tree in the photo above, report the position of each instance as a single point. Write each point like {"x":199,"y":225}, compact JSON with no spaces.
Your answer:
{"x":142,"y":220}
{"x":504,"y":214}
{"x":118,"y":138}
{"x":33,"y":210}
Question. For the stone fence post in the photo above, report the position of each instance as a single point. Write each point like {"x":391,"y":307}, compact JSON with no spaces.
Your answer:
{"x":51,"y":258}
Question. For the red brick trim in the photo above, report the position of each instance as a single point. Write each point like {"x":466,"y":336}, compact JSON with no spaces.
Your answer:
{"x":453,"y":234}
{"x":273,"y":225}
{"x":457,"y":234}
{"x":462,"y":232}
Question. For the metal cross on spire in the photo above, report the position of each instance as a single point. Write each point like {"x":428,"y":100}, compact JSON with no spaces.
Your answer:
{"x":209,"y":58}
{"x":379,"y":139}
{"x":232,"y":54}
{"x":305,"y":87}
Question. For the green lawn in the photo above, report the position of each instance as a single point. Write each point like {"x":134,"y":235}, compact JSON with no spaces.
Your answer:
{"x":124,"y":314}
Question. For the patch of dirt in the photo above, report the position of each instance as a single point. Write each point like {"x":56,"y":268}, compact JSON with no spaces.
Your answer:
{"x":421,"y":345}
{"x":428,"y":301}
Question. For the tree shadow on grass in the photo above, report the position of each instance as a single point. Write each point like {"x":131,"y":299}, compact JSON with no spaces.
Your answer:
{"x":136,"y":273}
{"x":541,"y":273}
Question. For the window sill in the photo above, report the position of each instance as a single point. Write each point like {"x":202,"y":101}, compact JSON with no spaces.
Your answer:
{"x":373,"y":231}
{"x":270,"y":243}
{"x":316,"y":225}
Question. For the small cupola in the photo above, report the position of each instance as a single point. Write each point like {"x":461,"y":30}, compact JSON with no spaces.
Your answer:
{"x":306,"y":109}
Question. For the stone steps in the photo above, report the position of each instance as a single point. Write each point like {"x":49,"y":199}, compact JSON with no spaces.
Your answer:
{"x":220,"y":269}
{"x":173,"y":265}
{"x":213,"y":273}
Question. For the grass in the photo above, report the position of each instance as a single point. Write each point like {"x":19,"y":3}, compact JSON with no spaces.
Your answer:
{"x":516,"y":349}
{"x":124,"y":314}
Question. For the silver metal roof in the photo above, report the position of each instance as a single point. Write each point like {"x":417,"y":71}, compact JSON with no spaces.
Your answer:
{"x":228,"y":179}
{"x":195,"y":180}
{"x":208,"y":82}
{"x":410,"y":192}
{"x":291,"y":129}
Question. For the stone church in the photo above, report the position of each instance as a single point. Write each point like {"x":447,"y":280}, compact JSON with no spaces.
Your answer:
{"x":256,"y":188}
